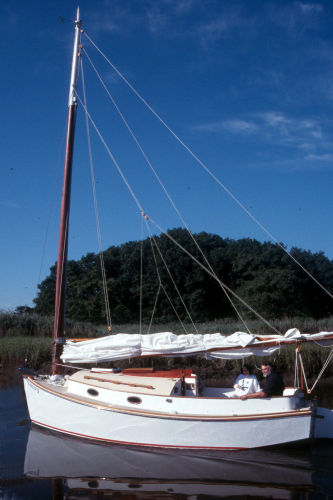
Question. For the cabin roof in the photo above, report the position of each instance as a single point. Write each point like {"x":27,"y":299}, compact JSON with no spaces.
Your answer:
{"x":126,"y":383}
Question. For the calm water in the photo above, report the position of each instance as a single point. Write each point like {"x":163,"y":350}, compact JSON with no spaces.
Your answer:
{"x":35,"y":464}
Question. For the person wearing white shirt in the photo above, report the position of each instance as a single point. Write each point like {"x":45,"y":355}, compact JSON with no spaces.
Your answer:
{"x":245,"y":383}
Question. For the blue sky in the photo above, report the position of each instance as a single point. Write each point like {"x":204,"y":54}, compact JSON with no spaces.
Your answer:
{"x":247,"y":85}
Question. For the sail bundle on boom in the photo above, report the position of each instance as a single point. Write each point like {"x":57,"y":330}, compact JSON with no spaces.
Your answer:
{"x":236,"y":346}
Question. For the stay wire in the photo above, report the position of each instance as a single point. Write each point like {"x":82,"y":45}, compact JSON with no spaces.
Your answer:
{"x":174,"y":284}
{"x":141,"y":276}
{"x":330,"y":356}
{"x":218,"y":279}
{"x":208,"y":171}
{"x":152,"y":243}
{"x":162,"y":230}
{"x":46,"y":235}
{"x":171,"y":201}
{"x":98,"y":226}
{"x":154,"y":308}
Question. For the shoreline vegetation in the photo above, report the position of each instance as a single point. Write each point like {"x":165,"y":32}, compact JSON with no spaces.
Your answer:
{"x":26,"y":341}
{"x":260,"y":273}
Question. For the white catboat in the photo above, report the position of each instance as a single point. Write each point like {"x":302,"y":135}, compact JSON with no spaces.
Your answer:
{"x":167,"y":409}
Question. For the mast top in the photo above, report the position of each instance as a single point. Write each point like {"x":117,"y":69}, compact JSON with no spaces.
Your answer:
{"x":75,"y":60}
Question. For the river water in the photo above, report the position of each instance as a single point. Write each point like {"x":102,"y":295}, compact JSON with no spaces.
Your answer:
{"x":37,"y":464}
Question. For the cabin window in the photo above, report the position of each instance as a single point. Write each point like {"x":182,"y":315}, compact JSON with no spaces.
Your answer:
{"x":93,"y":484}
{"x":189,"y":387}
{"x":134,"y":400}
{"x":92,"y":392}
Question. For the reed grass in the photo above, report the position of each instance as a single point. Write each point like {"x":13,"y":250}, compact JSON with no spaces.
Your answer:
{"x":35,"y":353}
{"x":26,"y":339}
{"x":14,"y":324}
{"x":33,"y":325}
{"x":16,"y":350}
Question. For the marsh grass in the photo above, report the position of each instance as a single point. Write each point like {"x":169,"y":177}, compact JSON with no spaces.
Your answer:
{"x":30,"y":324}
{"x":28,"y":337}
{"x":35,"y":353}
{"x":16,"y":350}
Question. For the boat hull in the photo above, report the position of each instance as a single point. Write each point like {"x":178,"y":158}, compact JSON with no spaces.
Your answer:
{"x":78,"y":417}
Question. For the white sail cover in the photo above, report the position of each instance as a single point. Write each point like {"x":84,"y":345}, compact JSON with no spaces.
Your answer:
{"x":236,"y":346}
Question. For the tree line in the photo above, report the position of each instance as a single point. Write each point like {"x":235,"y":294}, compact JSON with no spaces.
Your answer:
{"x":262,"y":274}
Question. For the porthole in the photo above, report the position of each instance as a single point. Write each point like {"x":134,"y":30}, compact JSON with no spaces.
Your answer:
{"x":92,"y":392}
{"x":134,"y":400}
{"x":93,"y":484}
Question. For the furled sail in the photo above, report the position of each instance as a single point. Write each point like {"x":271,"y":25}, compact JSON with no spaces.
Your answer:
{"x":236,"y":346}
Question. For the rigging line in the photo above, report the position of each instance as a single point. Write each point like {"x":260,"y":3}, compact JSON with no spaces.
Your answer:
{"x":174,"y":309}
{"x":330,"y":356}
{"x":141,"y":275}
{"x":154,"y":308}
{"x":130,"y":130}
{"x":141,"y":210}
{"x":321,"y":345}
{"x":200,"y":162}
{"x":51,"y":209}
{"x":98,"y":226}
{"x":303,"y":371}
{"x":151,"y":240}
{"x":46,"y":235}
{"x":218,"y":279}
{"x":56,"y":314}
{"x":172,"y":280}
{"x":116,"y":164}
{"x":296,"y":370}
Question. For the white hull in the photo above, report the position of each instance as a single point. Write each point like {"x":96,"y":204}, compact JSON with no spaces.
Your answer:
{"x":80,"y":416}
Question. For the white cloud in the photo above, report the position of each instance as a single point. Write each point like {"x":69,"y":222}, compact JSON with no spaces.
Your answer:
{"x":9,"y":204}
{"x":233,"y":126}
{"x":157,"y":19}
{"x":275,"y":119}
{"x":320,"y":157}
{"x":310,"y":8}
{"x":184,"y":6}
{"x":304,"y":135}
{"x":214,"y":29}
{"x":293,"y":129}
{"x":282,"y":126}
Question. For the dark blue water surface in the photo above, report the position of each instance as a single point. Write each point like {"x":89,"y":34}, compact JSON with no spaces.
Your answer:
{"x":37,"y":464}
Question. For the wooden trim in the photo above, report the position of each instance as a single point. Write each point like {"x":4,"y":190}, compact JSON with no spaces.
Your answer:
{"x":87,"y":377}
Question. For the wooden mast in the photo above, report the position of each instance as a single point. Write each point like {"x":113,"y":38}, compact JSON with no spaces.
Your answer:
{"x":59,"y":313}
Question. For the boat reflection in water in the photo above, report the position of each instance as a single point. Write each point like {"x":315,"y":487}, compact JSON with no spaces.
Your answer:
{"x":87,"y":468}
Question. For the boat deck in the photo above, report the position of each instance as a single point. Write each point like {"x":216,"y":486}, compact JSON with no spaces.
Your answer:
{"x":162,"y":386}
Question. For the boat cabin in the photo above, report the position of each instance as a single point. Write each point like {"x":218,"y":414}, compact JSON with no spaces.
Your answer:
{"x":138,"y":380}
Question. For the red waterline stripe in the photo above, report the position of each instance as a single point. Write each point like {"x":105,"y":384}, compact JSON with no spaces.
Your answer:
{"x":138,"y":444}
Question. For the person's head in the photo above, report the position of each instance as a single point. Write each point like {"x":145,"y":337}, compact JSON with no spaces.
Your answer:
{"x":246,"y":370}
{"x":266,"y":369}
